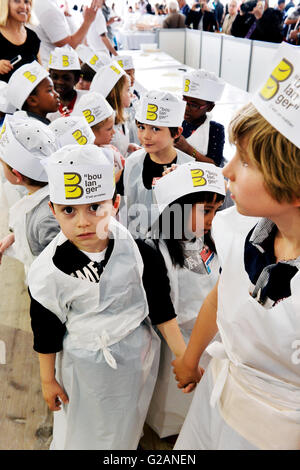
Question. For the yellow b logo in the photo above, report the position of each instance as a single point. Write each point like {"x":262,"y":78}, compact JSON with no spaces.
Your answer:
{"x":120,"y":62}
{"x":187,"y":85}
{"x":2,"y":131}
{"x":50,"y":59}
{"x":30,"y":76}
{"x":151,"y":112}
{"x":79,"y":137}
{"x":88,"y":115}
{"x":94,"y":59}
{"x":115,"y":69}
{"x":72,"y":188}
{"x":197,"y":178}
{"x":65,"y":60}
{"x":281,"y":73}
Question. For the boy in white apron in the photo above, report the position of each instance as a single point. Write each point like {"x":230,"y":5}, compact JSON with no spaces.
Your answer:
{"x":249,"y":396}
{"x":201,"y":137}
{"x":31,"y":89}
{"x":24,"y":143}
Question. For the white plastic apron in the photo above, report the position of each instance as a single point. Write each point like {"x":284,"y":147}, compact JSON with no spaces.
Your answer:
{"x":257,"y":382}
{"x":109,"y":361}
{"x":136,"y":194}
{"x":200,"y":138}
{"x":121,"y":140}
{"x":17,"y":222}
{"x":169,"y":406}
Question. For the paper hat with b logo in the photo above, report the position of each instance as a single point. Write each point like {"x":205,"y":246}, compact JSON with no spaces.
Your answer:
{"x":80,"y":175}
{"x":125,"y":61}
{"x":278,"y":100}
{"x":24,"y":144}
{"x":5,"y":106}
{"x":64,"y":58}
{"x":23,"y":81}
{"x":159,"y":108}
{"x":71,"y":130}
{"x":203,"y":85}
{"x":186,"y":179}
{"x":94,"y":59}
{"x":106,"y":78}
{"x":94,"y":108}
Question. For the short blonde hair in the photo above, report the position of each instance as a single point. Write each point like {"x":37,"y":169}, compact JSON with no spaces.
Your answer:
{"x":276,"y":157}
{"x":4,"y":10}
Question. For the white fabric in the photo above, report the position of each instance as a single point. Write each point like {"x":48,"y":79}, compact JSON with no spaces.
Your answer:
{"x":64,"y":58}
{"x":106,"y":78}
{"x":160,"y":108}
{"x":52,"y":27}
{"x":125,"y":61}
{"x":189,"y":178}
{"x":109,"y":361}
{"x":121,"y":139}
{"x":200,"y":138}
{"x":92,"y":58}
{"x":71,"y":130}
{"x":5,"y":106}
{"x":203,"y":85}
{"x":279,"y":99}
{"x":94,"y":107}
{"x":97,"y":28}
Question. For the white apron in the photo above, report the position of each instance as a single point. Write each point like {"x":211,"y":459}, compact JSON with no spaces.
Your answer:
{"x":256,"y":376}
{"x":110,"y":355}
{"x":200,"y":138}
{"x":20,"y":249}
{"x":121,"y":140}
{"x":138,"y":210}
{"x":169,"y":405}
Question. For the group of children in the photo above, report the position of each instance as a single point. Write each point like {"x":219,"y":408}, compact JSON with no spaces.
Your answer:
{"x":120,"y":256}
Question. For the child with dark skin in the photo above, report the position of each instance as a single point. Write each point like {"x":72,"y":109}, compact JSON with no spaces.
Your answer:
{"x":42,"y":100}
{"x":64,"y":83}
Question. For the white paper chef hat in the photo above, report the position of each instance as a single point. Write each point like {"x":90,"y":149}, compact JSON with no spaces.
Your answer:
{"x":64,"y":58}
{"x":24,"y":143}
{"x":188,"y":178}
{"x":94,"y":59}
{"x":160,"y":108}
{"x":278,"y":100}
{"x":106,"y":78}
{"x":23,"y":81}
{"x":80,"y":175}
{"x":125,"y":61}
{"x":5,"y":106}
{"x":94,"y":107}
{"x":203,"y":85}
{"x":71,"y":130}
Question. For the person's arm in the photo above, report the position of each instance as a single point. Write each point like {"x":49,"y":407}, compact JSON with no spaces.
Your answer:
{"x":183,"y":145}
{"x":5,"y":243}
{"x":5,"y":66}
{"x":108,"y":44}
{"x":173,"y":336}
{"x":186,"y":368}
{"x":53,"y":393}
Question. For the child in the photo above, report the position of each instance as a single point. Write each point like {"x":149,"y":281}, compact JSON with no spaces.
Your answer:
{"x":253,"y":377}
{"x":146,"y":165}
{"x":23,"y":144}
{"x":64,"y":68}
{"x":114,"y":84}
{"x":91,"y":61}
{"x":71,"y":130}
{"x":188,"y":199}
{"x":101,"y":117}
{"x":201,"y":137}
{"x":30,"y":89}
{"x":89,"y":305}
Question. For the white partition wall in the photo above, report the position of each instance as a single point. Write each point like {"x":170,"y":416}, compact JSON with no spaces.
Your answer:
{"x":211,"y":46}
{"x":262,"y":56}
{"x":235,"y":61}
{"x":193,"y":48}
{"x":172,"y":41}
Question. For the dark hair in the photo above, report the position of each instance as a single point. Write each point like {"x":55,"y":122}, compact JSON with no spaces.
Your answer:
{"x":248,"y":6}
{"x":174,"y":244}
{"x":173,"y":130}
{"x":87,"y":73}
{"x":32,"y":93}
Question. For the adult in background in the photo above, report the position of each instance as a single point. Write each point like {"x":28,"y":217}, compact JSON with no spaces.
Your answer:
{"x":219,"y":10}
{"x":201,"y":17}
{"x":110,"y":18}
{"x":244,"y":20}
{"x":97,"y":38}
{"x":184,"y":8}
{"x":230,"y":17}
{"x":174,"y":18}
{"x":15,"y":38}
{"x":54,"y":30}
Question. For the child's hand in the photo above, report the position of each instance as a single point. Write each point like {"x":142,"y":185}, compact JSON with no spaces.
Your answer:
{"x":5,"y":243}
{"x":133,"y":147}
{"x":185,"y":375}
{"x":170,"y":169}
{"x":54,"y":394}
{"x":183,"y":145}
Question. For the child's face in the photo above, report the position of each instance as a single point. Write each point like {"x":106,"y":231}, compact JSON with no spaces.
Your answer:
{"x":104,"y":134}
{"x":246,"y":184}
{"x":19,"y":10}
{"x":83,"y":84}
{"x":131,"y":73}
{"x":201,"y":217}
{"x":64,"y":81}
{"x":126,"y":95}
{"x":47,"y":99}
{"x":153,"y":138}
{"x":79,"y":223}
{"x":195,"y":108}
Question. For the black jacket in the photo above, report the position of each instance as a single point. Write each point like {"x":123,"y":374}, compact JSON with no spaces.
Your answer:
{"x":209,"y":21}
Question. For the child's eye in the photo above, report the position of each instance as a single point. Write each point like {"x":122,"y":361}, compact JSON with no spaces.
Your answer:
{"x":68,"y":210}
{"x":94,"y":207}
{"x":156,"y":129}
{"x":141,"y":127}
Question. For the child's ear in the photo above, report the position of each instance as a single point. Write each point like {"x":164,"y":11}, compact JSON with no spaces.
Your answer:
{"x":210,"y":107}
{"x":51,"y":207}
{"x":32,"y":101}
{"x":19,"y":177}
{"x":116,"y":205}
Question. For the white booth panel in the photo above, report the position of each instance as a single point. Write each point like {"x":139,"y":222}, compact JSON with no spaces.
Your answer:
{"x":262,"y":57}
{"x":172,"y":41}
{"x":211,"y":45}
{"x":192,"y":48}
{"x":235,"y":61}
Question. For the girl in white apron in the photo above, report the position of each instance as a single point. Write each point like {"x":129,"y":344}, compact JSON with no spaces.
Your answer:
{"x":159,"y":116}
{"x":249,"y":396}
{"x":193,"y":193}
